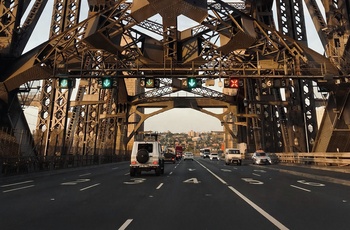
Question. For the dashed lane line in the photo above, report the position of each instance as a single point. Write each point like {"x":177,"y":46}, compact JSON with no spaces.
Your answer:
{"x":126,"y":224}
{"x":251,"y":203}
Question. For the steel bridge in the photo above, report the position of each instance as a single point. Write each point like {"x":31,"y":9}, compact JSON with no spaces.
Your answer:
{"x":274,"y":109}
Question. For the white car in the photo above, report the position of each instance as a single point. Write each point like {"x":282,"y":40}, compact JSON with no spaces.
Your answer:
{"x":214,"y":156}
{"x":260,"y":157}
{"x":188,"y":156}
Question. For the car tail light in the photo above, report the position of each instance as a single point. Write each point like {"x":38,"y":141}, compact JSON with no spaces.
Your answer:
{"x":155,"y":162}
{"x":133,"y":162}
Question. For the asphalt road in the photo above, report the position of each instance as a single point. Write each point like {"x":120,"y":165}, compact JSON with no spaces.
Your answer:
{"x":200,"y":194}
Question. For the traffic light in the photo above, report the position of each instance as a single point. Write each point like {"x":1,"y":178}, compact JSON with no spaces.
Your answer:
{"x":65,"y":83}
{"x":232,"y":83}
{"x":193,"y":82}
{"x":106,"y":82}
{"x":150,"y":82}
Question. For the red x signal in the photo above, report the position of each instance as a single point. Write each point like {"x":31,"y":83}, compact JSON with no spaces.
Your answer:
{"x":234,"y":83}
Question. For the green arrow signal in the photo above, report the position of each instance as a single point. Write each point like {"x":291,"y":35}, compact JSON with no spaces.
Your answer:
{"x":64,"y":83}
{"x":106,"y":82}
{"x":192,"y":82}
{"x":149,"y":82}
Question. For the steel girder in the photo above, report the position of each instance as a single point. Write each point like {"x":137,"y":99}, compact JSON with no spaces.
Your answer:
{"x":334,"y":129}
{"x":247,"y":47}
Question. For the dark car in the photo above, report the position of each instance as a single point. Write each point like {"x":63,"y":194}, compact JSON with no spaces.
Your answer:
{"x":169,"y":157}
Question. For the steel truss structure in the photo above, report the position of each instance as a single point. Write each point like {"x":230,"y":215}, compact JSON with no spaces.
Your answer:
{"x":130,"y":40}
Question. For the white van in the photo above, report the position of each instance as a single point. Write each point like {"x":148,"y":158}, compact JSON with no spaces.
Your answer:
{"x":233,"y":156}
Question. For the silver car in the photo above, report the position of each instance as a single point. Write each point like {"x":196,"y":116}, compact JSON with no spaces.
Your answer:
{"x":260,"y":157}
{"x":188,"y":156}
{"x":214,"y":156}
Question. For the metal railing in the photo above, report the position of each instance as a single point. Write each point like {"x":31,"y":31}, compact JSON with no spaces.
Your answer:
{"x":325,"y":159}
{"x":22,"y":165}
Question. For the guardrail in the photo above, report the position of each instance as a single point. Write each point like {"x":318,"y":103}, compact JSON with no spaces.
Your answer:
{"x":22,"y":165}
{"x":326,"y":159}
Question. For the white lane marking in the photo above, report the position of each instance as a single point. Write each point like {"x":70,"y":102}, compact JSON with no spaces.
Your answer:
{"x":115,"y":168}
{"x":217,"y":177}
{"x":135,"y":181}
{"x":94,"y":185}
{"x":252,"y":204}
{"x":260,"y":210}
{"x":252,"y":181}
{"x":170,"y":173}
{"x":9,"y":185}
{"x":86,"y":174}
{"x":192,"y":180}
{"x":126,"y":224}
{"x":304,"y":189}
{"x":159,"y":186}
{"x":15,"y":189}
{"x":255,"y":174}
{"x":75,"y":182}
{"x":226,"y":170}
{"x":311,"y":183}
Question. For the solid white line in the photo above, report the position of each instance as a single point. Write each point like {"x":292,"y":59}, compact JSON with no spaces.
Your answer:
{"x":94,"y":185}
{"x":222,"y":181}
{"x":126,"y":224}
{"x":256,"y":207}
{"x":15,"y":189}
{"x":159,"y":186}
{"x":260,"y":210}
{"x":304,"y":189}
{"x":86,"y":174}
{"x":24,"y":182}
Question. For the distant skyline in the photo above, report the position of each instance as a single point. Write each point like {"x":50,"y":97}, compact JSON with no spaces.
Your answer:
{"x":175,"y":120}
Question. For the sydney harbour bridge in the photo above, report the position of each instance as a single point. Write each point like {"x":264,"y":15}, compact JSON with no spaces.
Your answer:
{"x":98,"y":75}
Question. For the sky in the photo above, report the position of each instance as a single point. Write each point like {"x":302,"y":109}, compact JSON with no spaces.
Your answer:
{"x":175,"y":120}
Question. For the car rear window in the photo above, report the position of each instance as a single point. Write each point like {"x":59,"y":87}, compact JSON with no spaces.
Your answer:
{"x":148,"y":147}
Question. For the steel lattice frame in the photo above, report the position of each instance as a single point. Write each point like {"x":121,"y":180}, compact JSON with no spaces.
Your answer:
{"x":226,"y":42}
